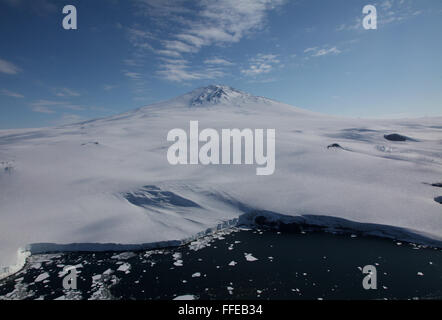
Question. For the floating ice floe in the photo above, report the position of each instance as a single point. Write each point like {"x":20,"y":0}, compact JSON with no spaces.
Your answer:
{"x":125,"y":267}
{"x":249,"y":257}
{"x":186,"y":297}
{"x":42,"y":277}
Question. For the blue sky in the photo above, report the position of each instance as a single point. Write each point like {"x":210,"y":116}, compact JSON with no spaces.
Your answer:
{"x":313,"y":54}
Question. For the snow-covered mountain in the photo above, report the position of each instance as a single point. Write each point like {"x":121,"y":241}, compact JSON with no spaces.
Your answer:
{"x":107,"y":184}
{"x":216,"y":94}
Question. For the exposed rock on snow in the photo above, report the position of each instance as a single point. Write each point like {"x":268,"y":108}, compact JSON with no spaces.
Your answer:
{"x":397,"y":137}
{"x":90,"y":143}
{"x":334,"y":145}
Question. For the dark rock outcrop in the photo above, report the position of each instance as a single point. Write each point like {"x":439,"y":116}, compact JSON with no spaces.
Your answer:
{"x":397,"y":137}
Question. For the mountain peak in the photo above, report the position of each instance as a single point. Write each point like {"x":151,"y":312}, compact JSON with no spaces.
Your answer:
{"x":216,"y":94}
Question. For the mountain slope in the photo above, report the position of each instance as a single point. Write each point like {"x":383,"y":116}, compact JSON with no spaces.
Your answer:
{"x":108,"y":181}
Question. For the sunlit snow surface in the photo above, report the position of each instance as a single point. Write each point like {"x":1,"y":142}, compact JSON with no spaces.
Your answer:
{"x":106,"y":183}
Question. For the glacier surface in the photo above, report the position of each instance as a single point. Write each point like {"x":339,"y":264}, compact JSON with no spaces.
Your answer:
{"x":106,"y":184}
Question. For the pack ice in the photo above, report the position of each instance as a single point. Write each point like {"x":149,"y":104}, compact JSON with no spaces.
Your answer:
{"x":106,"y":184}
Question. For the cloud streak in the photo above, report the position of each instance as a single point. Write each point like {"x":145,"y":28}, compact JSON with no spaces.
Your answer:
{"x":12,"y":94}
{"x":66,"y":92}
{"x":8,"y":67}
{"x":179,"y":70}
{"x":261,"y":64}
{"x":318,"y":52}
{"x":50,"y":106}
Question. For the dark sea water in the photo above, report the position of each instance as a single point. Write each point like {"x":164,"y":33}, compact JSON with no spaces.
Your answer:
{"x":240,"y":264}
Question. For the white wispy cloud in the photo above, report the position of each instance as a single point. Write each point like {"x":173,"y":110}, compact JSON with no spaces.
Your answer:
{"x":162,"y":8}
{"x":387,"y":4}
{"x":209,"y":23}
{"x":228,"y":21}
{"x":66,"y":92}
{"x":169,"y":53}
{"x":195,"y":41}
{"x":67,"y":118}
{"x":42,"y":109}
{"x":109,"y":87}
{"x":50,"y":106}
{"x":140,"y":38}
{"x":131,"y":62}
{"x":179,"y":46}
{"x":356,"y":24}
{"x":310,"y":49}
{"x":180,"y":70}
{"x":132,"y":75}
{"x":8,"y":67}
{"x":319,"y":52}
{"x":261,"y":64}
{"x":218,"y":61}
{"x":12,"y":94}
{"x":324,"y":52}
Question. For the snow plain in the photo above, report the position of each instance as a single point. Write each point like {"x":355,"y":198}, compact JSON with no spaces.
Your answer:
{"x":106,"y":184}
